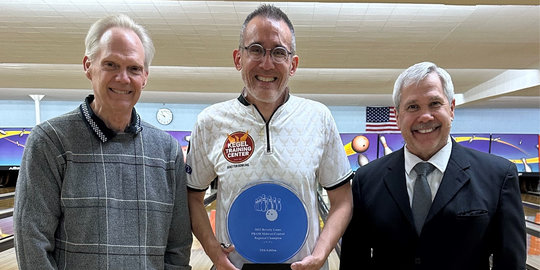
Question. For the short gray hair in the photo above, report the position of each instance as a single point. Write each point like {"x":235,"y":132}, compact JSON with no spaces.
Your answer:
{"x":270,"y":12}
{"x":101,"y":26}
{"x":417,"y":73}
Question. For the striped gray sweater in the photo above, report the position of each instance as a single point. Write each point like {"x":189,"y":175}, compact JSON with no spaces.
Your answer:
{"x":87,"y":198}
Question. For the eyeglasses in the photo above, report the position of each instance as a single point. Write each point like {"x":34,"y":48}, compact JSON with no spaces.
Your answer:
{"x":257,"y":52}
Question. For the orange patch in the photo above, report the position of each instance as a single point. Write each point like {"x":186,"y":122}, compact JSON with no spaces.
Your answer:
{"x":238,"y":147}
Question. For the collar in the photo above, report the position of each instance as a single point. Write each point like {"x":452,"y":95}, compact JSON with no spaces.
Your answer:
{"x":243,"y":100}
{"x":439,"y":160}
{"x":98,"y":126}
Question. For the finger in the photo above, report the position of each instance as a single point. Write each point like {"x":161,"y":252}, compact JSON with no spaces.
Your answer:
{"x":227,"y":248}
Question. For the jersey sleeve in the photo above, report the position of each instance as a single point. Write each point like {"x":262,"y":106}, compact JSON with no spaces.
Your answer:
{"x":334,"y":168}
{"x":200,"y":170}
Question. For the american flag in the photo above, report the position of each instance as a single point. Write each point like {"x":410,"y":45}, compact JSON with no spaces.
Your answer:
{"x":381,"y":120}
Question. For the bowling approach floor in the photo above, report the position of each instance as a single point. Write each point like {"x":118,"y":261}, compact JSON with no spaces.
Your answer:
{"x":199,"y":260}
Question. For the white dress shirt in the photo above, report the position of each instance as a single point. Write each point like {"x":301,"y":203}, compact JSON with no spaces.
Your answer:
{"x":439,"y":160}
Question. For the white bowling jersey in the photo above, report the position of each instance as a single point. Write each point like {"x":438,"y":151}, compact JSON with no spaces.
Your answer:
{"x":300,"y":146}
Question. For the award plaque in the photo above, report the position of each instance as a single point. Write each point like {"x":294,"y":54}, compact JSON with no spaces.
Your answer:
{"x":268,"y":224}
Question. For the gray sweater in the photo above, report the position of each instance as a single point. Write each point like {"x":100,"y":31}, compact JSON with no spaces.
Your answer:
{"x":88,"y":198}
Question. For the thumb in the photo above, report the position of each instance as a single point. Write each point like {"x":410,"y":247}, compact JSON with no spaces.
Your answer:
{"x":227,"y":248}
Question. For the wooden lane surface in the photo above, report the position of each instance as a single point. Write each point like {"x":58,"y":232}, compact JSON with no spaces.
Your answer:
{"x":532,"y":209}
{"x":198,"y":261}
{"x":8,"y":260}
{"x":6,"y":203}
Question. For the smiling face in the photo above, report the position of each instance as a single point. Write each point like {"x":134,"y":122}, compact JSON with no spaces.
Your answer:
{"x":117,"y":74}
{"x":425,"y":116}
{"x":265,"y":81}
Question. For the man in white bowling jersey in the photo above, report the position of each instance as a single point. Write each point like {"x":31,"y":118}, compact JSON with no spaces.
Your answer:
{"x":267,"y":135}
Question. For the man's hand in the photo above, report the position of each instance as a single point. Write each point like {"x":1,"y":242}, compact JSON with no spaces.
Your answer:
{"x":338,"y":218}
{"x":308,"y":263}
{"x":220,"y":259}
{"x":200,"y":225}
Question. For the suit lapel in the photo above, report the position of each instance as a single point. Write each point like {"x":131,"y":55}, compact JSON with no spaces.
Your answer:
{"x":454,"y":178}
{"x":394,"y":180}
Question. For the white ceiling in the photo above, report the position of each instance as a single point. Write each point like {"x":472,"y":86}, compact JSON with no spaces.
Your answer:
{"x":350,"y":52}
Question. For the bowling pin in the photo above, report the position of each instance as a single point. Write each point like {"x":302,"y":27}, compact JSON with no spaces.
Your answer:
{"x":362,"y":160}
{"x":387,"y":149}
{"x":527,"y":167}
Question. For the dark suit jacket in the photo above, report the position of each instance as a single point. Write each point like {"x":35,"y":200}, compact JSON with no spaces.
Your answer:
{"x":477,"y":211}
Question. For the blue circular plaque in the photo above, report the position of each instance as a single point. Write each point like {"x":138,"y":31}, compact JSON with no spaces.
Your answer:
{"x":267,"y":223}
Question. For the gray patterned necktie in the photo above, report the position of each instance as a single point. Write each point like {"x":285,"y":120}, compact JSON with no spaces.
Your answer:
{"x":421,"y":194}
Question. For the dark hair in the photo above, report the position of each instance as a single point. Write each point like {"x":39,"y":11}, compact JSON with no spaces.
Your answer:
{"x":271,"y":12}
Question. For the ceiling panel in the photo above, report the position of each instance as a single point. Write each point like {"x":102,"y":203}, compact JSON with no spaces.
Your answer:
{"x":350,"y":52}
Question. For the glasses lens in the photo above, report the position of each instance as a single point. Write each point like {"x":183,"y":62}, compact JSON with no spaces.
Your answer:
{"x":256,"y":51}
{"x":279,"y":54}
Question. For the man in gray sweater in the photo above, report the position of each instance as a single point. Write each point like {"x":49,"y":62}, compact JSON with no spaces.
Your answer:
{"x":98,"y":187}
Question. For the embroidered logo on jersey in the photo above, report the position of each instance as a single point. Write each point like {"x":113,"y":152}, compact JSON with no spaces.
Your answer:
{"x":188,"y":169}
{"x":238,"y":147}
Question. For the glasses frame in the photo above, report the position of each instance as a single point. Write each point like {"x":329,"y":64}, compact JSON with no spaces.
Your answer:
{"x":289,"y":53}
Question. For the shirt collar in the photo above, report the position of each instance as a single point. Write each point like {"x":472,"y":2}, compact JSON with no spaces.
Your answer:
{"x":439,"y":160}
{"x":243,"y":100}
{"x":98,"y":126}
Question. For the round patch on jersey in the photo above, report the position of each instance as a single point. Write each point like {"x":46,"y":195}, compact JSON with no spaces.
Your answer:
{"x":238,"y":147}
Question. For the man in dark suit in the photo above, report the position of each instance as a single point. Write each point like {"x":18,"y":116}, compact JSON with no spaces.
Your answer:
{"x":464,"y":209}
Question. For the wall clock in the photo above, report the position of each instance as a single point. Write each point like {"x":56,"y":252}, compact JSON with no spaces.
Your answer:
{"x":164,"y":116}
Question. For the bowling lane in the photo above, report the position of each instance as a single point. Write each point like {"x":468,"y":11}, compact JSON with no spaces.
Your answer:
{"x":531,"y":206}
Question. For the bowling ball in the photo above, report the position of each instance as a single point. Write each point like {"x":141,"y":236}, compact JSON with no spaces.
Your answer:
{"x":360,"y":144}
{"x":271,"y":215}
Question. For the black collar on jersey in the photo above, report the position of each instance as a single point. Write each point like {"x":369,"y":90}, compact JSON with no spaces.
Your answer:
{"x":98,"y":126}
{"x":244,"y":101}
